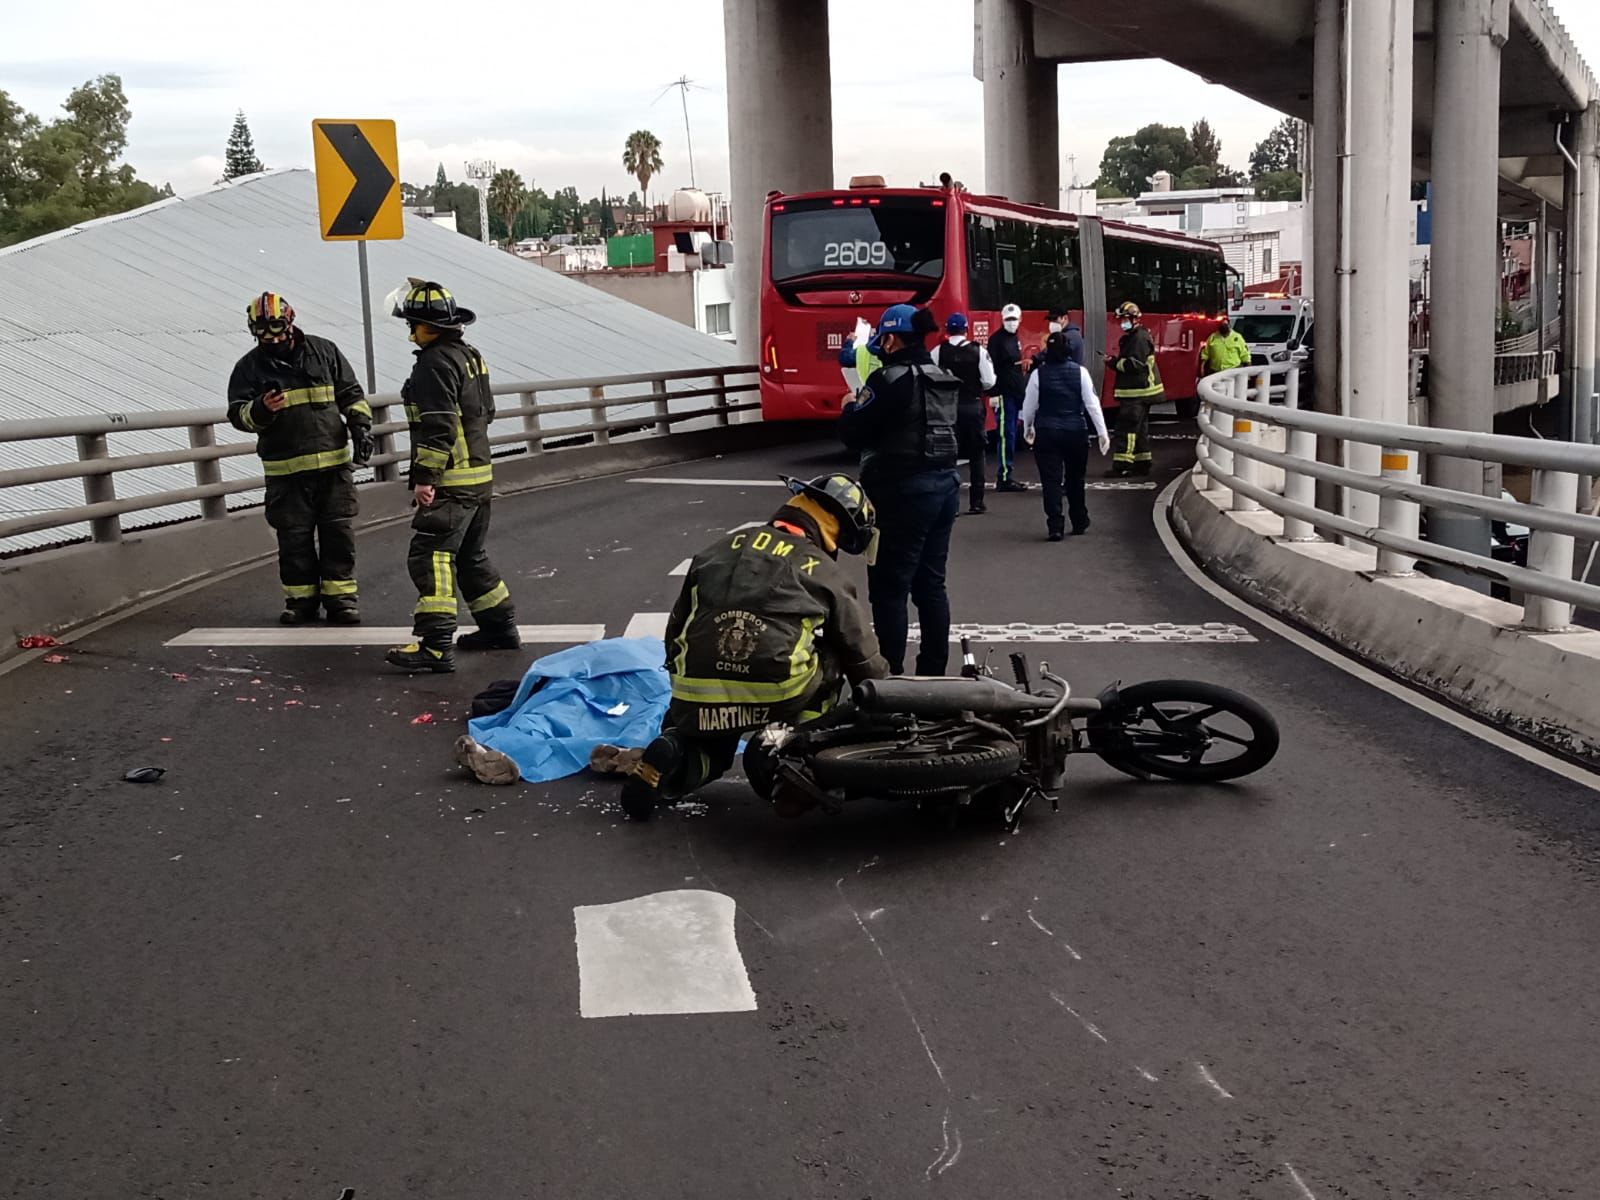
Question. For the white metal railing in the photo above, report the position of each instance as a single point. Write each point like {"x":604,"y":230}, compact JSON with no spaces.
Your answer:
{"x":635,"y":404}
{"x":1383,"y":492}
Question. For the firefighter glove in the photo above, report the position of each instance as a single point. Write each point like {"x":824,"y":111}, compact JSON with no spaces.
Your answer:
{"x":361,"y":445}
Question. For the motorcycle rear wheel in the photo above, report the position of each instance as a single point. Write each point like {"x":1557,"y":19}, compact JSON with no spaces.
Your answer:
{"x":1184,"y":730}
{"x":893,"y":767}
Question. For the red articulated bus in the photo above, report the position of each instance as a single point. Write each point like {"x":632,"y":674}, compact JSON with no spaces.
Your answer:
{"x":832,"y":257}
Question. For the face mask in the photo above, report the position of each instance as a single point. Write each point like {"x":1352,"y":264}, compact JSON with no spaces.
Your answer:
{"x":1225,"y":330}
{"x":1011,"y":325}
{"x":1127,"y":325}
{"x":1055,"y":326}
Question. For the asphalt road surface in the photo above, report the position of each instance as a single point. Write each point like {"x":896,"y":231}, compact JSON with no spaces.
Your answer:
{"x":315,"y":957}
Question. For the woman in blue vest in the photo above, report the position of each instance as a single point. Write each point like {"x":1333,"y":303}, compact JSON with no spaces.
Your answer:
{"x":1059,"y":413}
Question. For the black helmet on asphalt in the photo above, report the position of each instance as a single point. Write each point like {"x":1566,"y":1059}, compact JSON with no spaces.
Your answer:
{"x":428,"y":303}
{"x":841,"y":497}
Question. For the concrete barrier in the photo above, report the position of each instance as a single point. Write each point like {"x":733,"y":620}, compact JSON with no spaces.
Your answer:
{"x":1462,"y":646}
{"x":60,"y":590}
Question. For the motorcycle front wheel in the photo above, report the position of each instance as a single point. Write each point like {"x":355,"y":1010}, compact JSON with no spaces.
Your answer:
{"x":918,"y":768}
{"x":1184,"y":730}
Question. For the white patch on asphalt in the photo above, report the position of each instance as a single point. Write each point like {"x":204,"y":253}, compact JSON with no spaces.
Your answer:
{"x":681,"y":569}
{"x":1114,"y":631}
{"x":647,"y":624}
{"x":1211,"y":1081}
{"x":1146,"y":1074}
{"x":1305,"y":1192}
{"x":1076,"y":957}
{"x":744,"y":483}
{"x":1087,"y":1024}
{"x":364,"y":635}
{"x":665,"y":953}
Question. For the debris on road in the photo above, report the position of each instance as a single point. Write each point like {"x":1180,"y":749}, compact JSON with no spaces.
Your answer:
{"x":54,"y":658}
{"x":422,"y":719}
{"x":144,"y":775}
{"x":37,"y":641}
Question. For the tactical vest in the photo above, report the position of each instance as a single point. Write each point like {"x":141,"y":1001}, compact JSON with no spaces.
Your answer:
{"x":1060,"y":396}
{"x":962,"y":362}
{"x":932,"y":434}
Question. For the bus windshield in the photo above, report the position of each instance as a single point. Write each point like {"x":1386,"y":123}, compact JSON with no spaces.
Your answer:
{"x":893,"y":236}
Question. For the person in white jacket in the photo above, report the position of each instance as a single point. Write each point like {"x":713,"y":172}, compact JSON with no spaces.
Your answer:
{"x":1059,"y":411}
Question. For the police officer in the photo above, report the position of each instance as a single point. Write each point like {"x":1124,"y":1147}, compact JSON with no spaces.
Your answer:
{"x":1059,"y":414}
{"x":449,"y":406}
{"x":765,"y":629}
{"x":903,"y":425}
{"x":971,"y":365}
{"x":1138,"y":387}
{"x":297,"y":394}
{"x":1005,"y":349}
{"x":1224,"y":350}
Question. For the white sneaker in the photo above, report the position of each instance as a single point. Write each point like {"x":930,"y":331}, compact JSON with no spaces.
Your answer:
{"x":488,"y":766}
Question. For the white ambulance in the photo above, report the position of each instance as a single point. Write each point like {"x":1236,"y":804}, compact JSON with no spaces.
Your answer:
{"x":1273,"y":327}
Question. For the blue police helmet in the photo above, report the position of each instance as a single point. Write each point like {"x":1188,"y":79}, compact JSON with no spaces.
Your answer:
{"x":957,"y":323}
{"x":898,"y":319}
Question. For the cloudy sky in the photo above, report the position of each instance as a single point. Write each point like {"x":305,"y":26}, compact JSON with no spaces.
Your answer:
{"x":531,"y":88}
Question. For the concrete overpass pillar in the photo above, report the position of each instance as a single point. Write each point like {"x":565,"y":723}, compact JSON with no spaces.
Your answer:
{"x":1328,"y":279}
{"x":1468,"y":35}
{"x":1021,"y":123}
{"x":1586,"y":288}
{"x":1378,"y":58}
{"x":780,"y":127}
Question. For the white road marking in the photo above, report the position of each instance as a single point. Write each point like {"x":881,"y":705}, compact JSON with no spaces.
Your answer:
{"x":688,"y":482}
{"x":1211,"y":1080}
{"x":1077,"y":1016}
{"x":1115,"y":631}
{"x":1076,"y":957}
{"x":1350,"y":666}
{"x":363,"y":635}
{"x":1146,"y":1074}
{"x":1305,"y":1192}
{"x":668,"y":952}
{"x":683,"y":567}
{"x":647,"y":624}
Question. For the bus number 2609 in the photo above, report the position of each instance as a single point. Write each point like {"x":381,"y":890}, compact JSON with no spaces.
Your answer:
{"x":855,"y":254}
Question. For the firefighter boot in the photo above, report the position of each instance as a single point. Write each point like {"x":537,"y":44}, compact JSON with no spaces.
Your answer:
{"x":643,"y":789}
{"x":493,"y":637}
{"x":419,"y":656}
{"x":298,"y":614}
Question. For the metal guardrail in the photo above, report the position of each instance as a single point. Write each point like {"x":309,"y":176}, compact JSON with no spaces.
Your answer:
{"x":1382,"y":507}
{"x":1524,"y":367}
{"x":654,"y":411}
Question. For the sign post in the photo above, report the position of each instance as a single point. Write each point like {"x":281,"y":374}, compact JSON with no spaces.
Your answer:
{"x":358,"y":200}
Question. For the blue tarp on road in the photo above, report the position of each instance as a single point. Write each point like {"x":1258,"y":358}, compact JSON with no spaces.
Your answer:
{"x":573,"y":700}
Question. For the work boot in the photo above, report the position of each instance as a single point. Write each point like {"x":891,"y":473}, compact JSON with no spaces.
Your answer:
{"x":344,"y":614}
{"x":504,"y":637}
{"x":1012,"y":485}
{"x":642,"y":790}
{"x":298,"y":615}
{"x":977,"y":509}
{"x":486,"y":765}
{"x":606,"y":759}
{"x":420,"y":657}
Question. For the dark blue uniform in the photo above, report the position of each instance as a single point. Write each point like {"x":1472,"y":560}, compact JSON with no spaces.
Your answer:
{"x":1061,"y":443}
{"x":904,"y":429}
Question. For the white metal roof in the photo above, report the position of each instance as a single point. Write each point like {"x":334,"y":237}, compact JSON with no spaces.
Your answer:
{"x":145,"y":311}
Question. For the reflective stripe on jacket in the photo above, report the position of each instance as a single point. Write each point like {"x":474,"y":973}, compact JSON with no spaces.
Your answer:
{"x":449,"y":406}
{"x":1138,"y":376}
{"x":321,"y":397}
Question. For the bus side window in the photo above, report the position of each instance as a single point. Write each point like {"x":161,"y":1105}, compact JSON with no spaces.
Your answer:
{"x":982,"y":273}
{"x":1044,"y":269}
{"x":1071,"y":290}
{"x":1007,"y":258}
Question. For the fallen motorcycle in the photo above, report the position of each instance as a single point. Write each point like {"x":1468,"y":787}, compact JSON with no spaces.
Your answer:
{"x":952,"y":743}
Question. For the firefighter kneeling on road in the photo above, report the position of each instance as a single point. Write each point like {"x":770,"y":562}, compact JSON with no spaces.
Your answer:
{"x":297,"y":394}
{"x":766,"y":630}
{"x":449,"y":406}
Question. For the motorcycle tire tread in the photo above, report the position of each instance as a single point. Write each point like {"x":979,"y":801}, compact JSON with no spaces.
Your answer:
{"x":978,"y":764}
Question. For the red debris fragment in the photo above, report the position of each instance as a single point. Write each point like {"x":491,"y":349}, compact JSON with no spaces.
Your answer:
{"x":422,"y":719}
{"x":291,"y":704}
{"x":177,"y":676}
{"x":55,"y":658}
{"x":37,"y":641}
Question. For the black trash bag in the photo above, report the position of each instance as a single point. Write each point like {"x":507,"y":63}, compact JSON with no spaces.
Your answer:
{"x":144,"y":775}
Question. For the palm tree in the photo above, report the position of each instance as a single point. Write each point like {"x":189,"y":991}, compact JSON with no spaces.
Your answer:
{"x":641,"y":157}
{"x":506,"y":199}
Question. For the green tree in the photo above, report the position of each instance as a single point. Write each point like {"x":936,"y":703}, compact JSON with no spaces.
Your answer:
{"x":240,"y":156}
{"x":1279,"y":185}
{"x":506,"y":198}
{"x":608,"y":219}
{"x":441,"y":181}
{"x":1207,"y":146}
{"x":1278,"y":151}
{"x":641,"y":157}
{"x":1129,"y":163}
{"x":57,"y":174}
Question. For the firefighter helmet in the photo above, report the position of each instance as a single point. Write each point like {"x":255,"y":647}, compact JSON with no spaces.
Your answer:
{"x":269,"y":315}
{"x":1129,"y":310}
{"x":428,"y":303}
{"x":842,"y":498}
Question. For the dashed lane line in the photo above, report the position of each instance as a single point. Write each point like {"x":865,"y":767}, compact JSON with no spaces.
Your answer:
{"x":1094,"y":485}
{"x":364,"y":635}
{"x":654,"y":624}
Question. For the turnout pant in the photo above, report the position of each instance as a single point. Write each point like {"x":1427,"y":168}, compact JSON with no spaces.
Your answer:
{"x":1006,"y":439}
{"x":447,"y":552}
{"x":313,"y":514}
{"x":915,"y":516}
{"x":1063,"y":457}
{"x":1130,"y":445}
{"x":970,"y":436}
